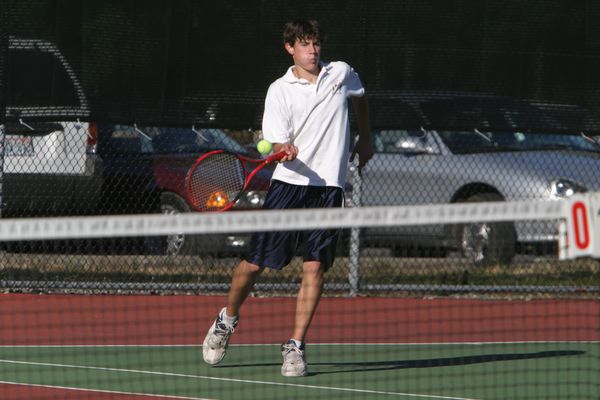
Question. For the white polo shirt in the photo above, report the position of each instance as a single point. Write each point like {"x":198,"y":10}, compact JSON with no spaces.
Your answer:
{"x":314,"y":117}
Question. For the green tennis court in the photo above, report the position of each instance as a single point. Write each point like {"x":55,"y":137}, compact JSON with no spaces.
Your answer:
{"x":111,"y":347}
{"x":421,"y":371}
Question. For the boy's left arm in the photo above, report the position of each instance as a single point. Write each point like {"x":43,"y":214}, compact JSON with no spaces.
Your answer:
{"x":364,"y":145}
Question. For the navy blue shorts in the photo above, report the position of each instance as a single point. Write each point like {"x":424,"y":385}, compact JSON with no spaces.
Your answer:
{"x":276,"y":249}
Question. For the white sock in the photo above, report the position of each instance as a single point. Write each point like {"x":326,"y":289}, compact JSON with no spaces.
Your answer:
{"x":297,"y":343}
{"x":227,"y":319}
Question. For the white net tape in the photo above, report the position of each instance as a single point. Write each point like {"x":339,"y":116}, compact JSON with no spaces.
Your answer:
{"x":276,"y":220}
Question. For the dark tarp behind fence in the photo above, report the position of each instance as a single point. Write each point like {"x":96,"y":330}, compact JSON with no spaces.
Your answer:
{"x":209,"y":63}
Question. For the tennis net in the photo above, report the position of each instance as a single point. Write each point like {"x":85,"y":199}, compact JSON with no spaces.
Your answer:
{"x":431,"y":301}
{"x":376,"y":248}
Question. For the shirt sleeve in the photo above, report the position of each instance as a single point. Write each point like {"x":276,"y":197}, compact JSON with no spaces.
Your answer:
{"x":354,"y":87}
{"x":276,"y":125}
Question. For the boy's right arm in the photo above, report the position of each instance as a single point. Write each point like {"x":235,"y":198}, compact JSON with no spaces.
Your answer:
{"x":290,"y":149}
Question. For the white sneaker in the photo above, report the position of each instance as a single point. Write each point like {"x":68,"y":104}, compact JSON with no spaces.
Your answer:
{"x":294,"y":360}
{"x":217,"y":339}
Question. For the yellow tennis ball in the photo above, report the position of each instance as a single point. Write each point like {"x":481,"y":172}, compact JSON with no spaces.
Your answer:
{"x":264,"y":147}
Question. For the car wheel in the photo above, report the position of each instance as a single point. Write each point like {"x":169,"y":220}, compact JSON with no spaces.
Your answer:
{"x":486,"y":243}
{"x":176,"y":244}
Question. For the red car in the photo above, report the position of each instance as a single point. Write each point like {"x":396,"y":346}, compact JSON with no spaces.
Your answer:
{"x":144,"y":169}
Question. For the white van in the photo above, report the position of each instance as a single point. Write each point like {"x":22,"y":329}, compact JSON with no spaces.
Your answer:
{"x":49,"y":164}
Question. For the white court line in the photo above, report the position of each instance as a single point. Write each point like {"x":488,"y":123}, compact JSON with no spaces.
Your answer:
{"x":102,"y":391}
{"x":177,"y":375}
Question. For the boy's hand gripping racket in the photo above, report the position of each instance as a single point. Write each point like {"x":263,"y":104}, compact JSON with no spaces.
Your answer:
{"x":218,"y":178}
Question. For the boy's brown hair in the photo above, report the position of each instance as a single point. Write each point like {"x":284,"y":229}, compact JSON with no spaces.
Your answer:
{"x":302,"y":29}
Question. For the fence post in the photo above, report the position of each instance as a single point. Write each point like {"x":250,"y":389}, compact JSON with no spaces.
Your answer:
{"x":4,"y":48}
{"x":354,"y":252}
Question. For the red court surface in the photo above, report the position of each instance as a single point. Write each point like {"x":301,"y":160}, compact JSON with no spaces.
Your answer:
{"x":29,"y":392}
{"x":29,"y":319}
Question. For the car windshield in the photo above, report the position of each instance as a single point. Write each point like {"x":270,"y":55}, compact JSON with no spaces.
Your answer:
{"x":184,"y":140}
{"x":475,"y":141}
{"x":126,"y":139}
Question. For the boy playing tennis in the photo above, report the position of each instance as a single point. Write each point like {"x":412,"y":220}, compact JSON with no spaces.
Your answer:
{"x":306,"y":115}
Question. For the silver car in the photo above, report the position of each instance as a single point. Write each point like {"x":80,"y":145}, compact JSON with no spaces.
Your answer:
{"x":454,"y":147}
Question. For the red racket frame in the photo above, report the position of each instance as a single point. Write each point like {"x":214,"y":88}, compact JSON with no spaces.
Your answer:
{"x":248,"y":175}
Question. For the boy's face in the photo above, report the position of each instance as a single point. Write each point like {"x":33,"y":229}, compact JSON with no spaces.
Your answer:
{"x":306,"y":54}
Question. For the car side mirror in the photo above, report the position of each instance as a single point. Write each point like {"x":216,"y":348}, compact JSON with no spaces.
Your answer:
{"x":413,"y":145}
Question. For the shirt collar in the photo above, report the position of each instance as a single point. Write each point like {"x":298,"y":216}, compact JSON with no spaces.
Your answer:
{"x":289,"y":76}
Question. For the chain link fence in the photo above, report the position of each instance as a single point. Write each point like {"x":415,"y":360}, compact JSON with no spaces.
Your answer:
{"x":106,"y":105}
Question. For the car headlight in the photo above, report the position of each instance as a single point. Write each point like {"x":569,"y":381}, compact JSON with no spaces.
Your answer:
{"x":255,"y":198}
{"x":563,"y":188}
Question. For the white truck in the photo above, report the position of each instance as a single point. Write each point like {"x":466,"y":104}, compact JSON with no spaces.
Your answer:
{"x":49,"y":166}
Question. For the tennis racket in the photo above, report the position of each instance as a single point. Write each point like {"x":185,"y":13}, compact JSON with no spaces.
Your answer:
{"x":218,"y":178}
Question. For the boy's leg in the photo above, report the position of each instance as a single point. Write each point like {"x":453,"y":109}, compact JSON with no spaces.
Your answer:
{"x":243,"y":279}
{"x":308,"y":297}
{"x":217,"y":338}
{"x":294,"y":360}
{"x":319,"y":254}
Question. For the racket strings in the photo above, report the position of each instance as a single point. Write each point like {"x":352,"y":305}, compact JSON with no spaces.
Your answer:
{"x":216,"y":181}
